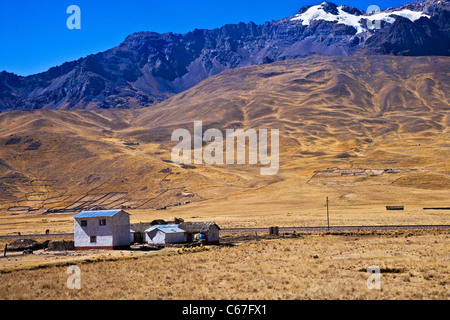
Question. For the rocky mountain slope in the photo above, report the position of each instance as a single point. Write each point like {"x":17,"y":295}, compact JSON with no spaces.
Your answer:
{"x":148,"y":67}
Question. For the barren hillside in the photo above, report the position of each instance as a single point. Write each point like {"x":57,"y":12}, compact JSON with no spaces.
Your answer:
{"x":361,"y":129}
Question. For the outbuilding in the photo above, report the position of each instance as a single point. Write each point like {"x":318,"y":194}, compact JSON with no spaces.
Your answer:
{"x":209,"y":231}
{"x":395,"y":207}
{"x":102,"y":229}
{"x":164,"y":234}
{"x":138,"y":233}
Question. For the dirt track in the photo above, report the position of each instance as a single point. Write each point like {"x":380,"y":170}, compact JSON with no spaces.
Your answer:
{"x":340,"y":228}
{"x":280,"y":229}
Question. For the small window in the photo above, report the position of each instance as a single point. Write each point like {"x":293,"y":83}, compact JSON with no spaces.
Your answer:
{"x":102,"y":222}
{"x":93,"y":239}
{"x":84,"y":223}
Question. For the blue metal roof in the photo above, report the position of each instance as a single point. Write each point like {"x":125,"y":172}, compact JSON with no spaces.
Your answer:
{"x":96,"y":214}
{"x":166,"y":228}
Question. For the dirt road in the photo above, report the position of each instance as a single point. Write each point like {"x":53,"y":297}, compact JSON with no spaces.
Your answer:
{"x":280,"y":229}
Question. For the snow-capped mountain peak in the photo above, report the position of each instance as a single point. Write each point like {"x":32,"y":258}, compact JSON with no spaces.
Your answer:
{"x":327,"y":11}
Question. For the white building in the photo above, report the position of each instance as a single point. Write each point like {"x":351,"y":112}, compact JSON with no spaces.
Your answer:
{"x":164,"y":233}
{"x":105,"y":229}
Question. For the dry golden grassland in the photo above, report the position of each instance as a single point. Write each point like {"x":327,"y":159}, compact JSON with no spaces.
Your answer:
{"x":414,"y":265}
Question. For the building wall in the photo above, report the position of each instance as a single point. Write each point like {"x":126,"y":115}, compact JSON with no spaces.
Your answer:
{"x":115,"y":234}
{"x":158,"y":237}
{"x":83,"y":235}
{"x":121,"y":229}
{"x":213,"y":234}
{"x":155,"y":237}
{"x":175,"y":237}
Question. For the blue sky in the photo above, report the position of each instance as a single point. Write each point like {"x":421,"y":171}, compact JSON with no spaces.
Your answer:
{"x":34,"y":35}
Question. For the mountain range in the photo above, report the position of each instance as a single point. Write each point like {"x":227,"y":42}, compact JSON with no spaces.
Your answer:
{"x":360,"y":100}
{"x":148,"y":67}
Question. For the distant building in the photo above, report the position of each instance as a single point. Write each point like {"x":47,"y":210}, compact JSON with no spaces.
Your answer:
{"x":102,"y":229}
{"x":209,"y":231}
{"x":164,"y":234}
{"x":157,"y":221}
{"x":395,"y":208}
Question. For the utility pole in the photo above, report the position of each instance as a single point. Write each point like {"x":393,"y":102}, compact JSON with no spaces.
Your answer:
{"x":328,"y":217}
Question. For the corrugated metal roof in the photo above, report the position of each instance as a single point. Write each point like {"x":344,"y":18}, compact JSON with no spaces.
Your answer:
{"x":96,"y":214}
{"x":166,"y":228}
{"x":140,"y":227}
{"x":197,"y":227}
